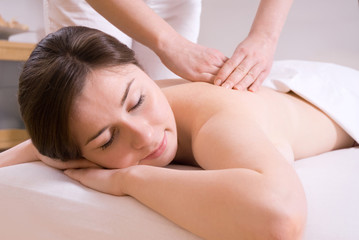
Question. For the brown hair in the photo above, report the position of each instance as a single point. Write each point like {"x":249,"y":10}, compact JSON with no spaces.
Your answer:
{"x":54,"y":75}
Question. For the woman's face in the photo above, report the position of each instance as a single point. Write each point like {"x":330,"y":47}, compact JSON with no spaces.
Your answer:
{"x":122,"y":118}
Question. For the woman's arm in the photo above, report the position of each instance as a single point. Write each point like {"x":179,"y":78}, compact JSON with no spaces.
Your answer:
{"x":21,"y":153}
{"x":187,"y":59}
{"x":249,"y":191}
{"x":213,"y":204}
{"x":26,"y":152}
{"x":252,"y":60}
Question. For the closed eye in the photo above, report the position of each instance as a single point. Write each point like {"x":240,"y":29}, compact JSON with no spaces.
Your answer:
{"x":110,"y":141}
{"x":139,"y":102}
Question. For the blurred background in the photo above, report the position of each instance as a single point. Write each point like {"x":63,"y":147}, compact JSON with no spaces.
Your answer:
{"x":316,"y":30}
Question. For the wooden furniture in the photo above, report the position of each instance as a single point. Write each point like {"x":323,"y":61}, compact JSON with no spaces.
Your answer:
{"x":12,"y":137}
{"x":13,"y":51}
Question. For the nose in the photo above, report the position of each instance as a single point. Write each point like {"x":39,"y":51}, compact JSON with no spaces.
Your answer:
{"x":140,"y":133}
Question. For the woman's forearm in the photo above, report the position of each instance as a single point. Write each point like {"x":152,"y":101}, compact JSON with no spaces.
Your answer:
{"x":21,"y":153}
{"x":137,"y":20}
{"x":220,"y":204}
{"x":270,"y":18}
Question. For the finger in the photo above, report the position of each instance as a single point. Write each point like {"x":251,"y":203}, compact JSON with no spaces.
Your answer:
{"x":213,"y":70}
{"x":203,"y":74}
{"x":228,"y":67}
{"x":215,"y":58}
{"x":97,"y":179}
{"x":80,"y":163}
{"x":205,"y":77}
{"x":213,"y":66}
{"x":222,"y":61}
{"x":238,"y":74}
{"x":249,"y":78}
{"x":245,"y":82}
{"x":75,"y":163}
{"x":86,"y":176}
{"x":209,"y":77}
{"x":218,"y":61}
{"x":258,"y":82}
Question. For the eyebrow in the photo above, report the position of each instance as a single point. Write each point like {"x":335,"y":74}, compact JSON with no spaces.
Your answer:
{"x":122,"y":102}
{"x":96,"y":135}
{"x":126,"y":91}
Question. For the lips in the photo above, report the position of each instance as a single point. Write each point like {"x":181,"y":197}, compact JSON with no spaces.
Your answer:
{"x":158,"y":152}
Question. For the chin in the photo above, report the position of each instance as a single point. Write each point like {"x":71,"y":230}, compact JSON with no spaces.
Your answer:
{"x":162,"y":161}
{"x":159,"y":162}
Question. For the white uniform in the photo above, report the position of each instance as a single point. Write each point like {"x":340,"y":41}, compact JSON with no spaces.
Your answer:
{"x":182,"y":15}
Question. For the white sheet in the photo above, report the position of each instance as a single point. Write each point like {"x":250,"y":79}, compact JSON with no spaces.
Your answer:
{"x":332,"y":88}
{"x":330,"y":182}
{"x":38,"y":202}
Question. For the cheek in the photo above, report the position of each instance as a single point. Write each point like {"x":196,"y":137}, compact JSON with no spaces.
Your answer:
{"x":160,"y":109}
{"x":112,"y":158}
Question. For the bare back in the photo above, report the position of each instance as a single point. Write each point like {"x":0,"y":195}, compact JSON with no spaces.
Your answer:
{"x":295,"y":127}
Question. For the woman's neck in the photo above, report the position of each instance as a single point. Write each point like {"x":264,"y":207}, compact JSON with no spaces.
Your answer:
{"x":184,"y":117}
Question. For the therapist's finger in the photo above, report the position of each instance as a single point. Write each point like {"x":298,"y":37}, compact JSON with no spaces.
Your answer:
{"x":238,"y":74}
{"x":212,"y":71}
{"x":228,"y":67}
{"x":209,"y":71}
{"x":223,"y":60}
{"x":258,"y":82}
{"x":215,"y":61}
{"x":250,"y":77}
{"x":208,"y":75}
{"x":205,"y":77}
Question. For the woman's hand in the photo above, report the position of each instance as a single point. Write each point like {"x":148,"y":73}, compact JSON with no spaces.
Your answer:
{"x":103,"y":180}
{"x":191,"y":61}
{"x":249,"y":66}
{"x":62,"y":165}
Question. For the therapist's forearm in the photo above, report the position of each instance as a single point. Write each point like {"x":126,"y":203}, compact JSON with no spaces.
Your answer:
{"x":137,"y":20}
{"x":270,"y":18}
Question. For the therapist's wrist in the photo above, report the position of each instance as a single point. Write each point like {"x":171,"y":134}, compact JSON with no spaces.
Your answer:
{"x":166,"y":41}
{"x":265,"y":36}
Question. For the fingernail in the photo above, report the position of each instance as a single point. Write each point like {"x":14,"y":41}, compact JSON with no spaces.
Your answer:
{"x":238,"y":87}
{"x":252,"y":89}
{"x":217,"y":82}
{"x":225,"y":85}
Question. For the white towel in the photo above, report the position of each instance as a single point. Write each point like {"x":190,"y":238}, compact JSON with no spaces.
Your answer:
{"x":332,"y":88}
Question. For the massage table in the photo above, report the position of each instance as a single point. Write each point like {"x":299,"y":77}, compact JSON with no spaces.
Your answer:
{"x":42,"y":203}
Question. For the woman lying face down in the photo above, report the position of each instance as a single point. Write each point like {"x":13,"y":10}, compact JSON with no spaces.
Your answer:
{"x":84,"y":99}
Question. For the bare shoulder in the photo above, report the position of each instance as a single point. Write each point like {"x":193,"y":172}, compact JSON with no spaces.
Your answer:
{"x":209,"y":94}
{"x":225,"y":127}
{"x":164,"y":83}
{"x":286,"y":120}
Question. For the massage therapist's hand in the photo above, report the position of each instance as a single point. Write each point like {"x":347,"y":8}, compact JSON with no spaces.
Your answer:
{"x":249,"y":66}
{"x":108,"y":181}
{"x":191,"y":61}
